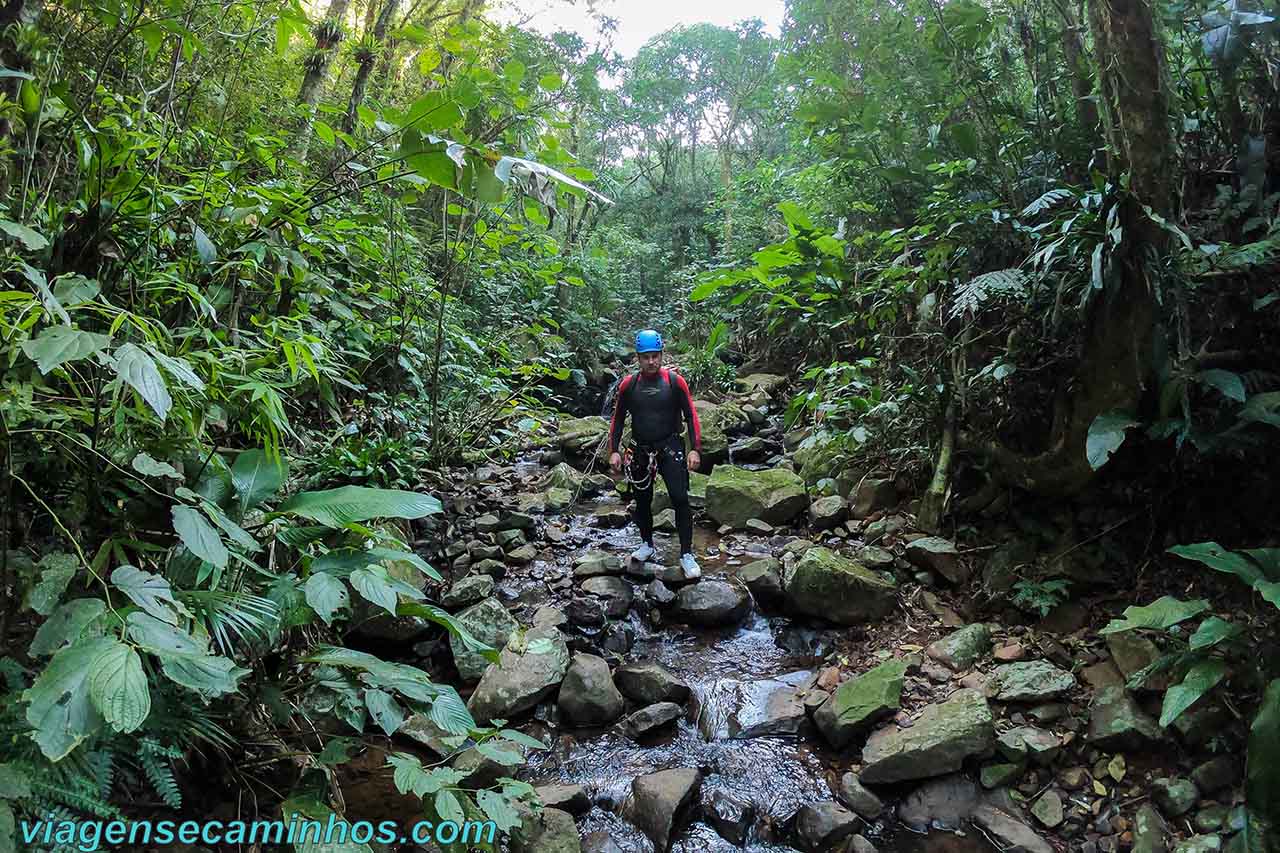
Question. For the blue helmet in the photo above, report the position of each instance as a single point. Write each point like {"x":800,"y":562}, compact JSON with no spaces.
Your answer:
{"x":648,"y":341}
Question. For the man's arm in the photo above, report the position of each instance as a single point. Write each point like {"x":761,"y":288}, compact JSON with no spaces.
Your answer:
{"x":690,"y":413}
{"x":619,"y":415}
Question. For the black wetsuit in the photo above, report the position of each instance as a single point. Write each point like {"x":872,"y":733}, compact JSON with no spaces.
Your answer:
{"x":657,"y":406}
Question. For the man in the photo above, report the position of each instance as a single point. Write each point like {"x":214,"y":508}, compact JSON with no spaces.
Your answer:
{"x":657,"y":399}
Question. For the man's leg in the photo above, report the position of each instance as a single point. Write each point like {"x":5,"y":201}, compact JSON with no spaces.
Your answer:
{"x":643,"y":511}
{"x":675,"y":473}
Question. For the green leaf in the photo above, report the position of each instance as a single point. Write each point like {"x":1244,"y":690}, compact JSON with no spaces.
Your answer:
{"x":375,"y":588}
{"x":494,"y":752}
{"x":57,"y":345}
{"x":144,"y":464}
{"x":1202,"y":678}
{"x":347,"y":504}
{"x":118,"y":688}
{"x":522,"y":739}
{"x":150,"y":592}
{"x":159,"y":637}
{"x":257,"y":476}
{"x":56,"y":573}
{"x":450,"y":713}
{"x":1213,"y":631}
{"x":498,"y":809}
{"x":428,"y":60}
{"x":384,"y":710}
{"x":1228,"y":383}
{"x":448,"y":807}
{"x":324,"y":132}
{"x":208,"y":675}
{"x":550,"y":81}
{"x":66,"y":625}
{"x":1106,"y":434}
{"x":200,"y":537}
{"x":237,"y":533}
{"x":326,"y":595}
{"x":1220,"y":559}
{"x":513,"y":70}
{"x":32,"y":240}
{"x":1162,"y":613}
{"x":411,"y":777}
{"x":74,"y":289}
{"x":14,"y":783}
{"x":138,"y":369}
{"x":307,"y":808}
{"x":58,"y":704}
{"x":1262,"y":768}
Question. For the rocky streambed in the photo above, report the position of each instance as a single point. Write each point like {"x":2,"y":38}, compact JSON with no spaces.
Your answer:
{"x":828,"y":684}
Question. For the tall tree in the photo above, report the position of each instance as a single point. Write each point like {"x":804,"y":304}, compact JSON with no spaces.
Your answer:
{"x":367,"y":56}
{"x":328,"y":34}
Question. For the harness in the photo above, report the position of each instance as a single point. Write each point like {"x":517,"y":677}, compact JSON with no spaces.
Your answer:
{"x":654,"y":452}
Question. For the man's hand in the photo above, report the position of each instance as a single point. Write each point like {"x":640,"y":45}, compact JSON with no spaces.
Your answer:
{"x":695,"y":460}
{"x":615,"y":462}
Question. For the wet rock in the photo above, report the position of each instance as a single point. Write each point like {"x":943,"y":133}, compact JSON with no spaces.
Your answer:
{"x":588,"y":696}
{"x":648,"y":683}
{"x":712,"y":603}
{"x":877,"y":558}
{"x":1010,"y":833}
{"x":618,"y":638}
{"x":938,"y":742}
{"x":769,"y":707}
{"x":651,"y":717}
{"x":773,"y":495}
{"x":944,"y":803}
{"x":523,"y":555}
{"x":611,"y":517}
{"x":487,"y":523}
{"x":587,"y":612}
{"x":1175,"y":797}
{"x":756,"y":525}
{"x":616,"y":592}
{"x":661,"y":803}
{"x":1000,"y":775}
{"x":1117,"y":724}
{"x":580,"y":436}
{"x":565,"y":476}
{"x":600,"y":842}
{"x":658,"y":593}
{"x":493,"y":568}
{"x":530,"y":667}
{"x":1031,"y":681}
{"x":1200,"y":844}
{"x":548,"y":615}
{"x":814,"y":699}
{"x":652,"y":571}
{"x":861,"y":702}
{"x":764,"y":579}
{"x":820,"y":827}
{"x":1025,"y":742}
{"x":1048,"y":809}
{"x":1216,"y":774}
{"x":730,"y":817}
{"x":490,"y":623}
{"x":938,"y":555}
{"x":1210,"y":818}
{"x":551,"y":831}
{"x":665,"y":520}
{"x":1149,"y":831}
{"x":823,"y":584}
{"x":871,"y":495}
{"x":851,"y":792}
{"x":509,"y":539}
{"x":568,"y":798}
{"x":826,"y":513}
{"x":469,"y":590}
{"x":750,"y":449}
{"x":557,"y":499}
{"x":961,"y":649}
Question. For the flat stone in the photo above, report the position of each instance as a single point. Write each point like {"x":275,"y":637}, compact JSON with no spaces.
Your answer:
{"x":649,"y":683}
{"x":1149,"y":831}
{"x":1132,"y":652}
{"x":866,"y":804}
{"x":712,"y":603}
{"x":467,"y":591}
{"x":861,"y":702}
{"x":939,"y":740}
{"x":1009,"y":652}
{"x":1030,"y":681}
{"x":616,"y":593}
{"x":764,"y":579}
{"x":1117,"y":724}
{"x":1000,"y":775}
{"x":523,"y":555}
{"x":1010,"y":833}
{"x":1029,"y":742}
{"x":938,"y":555}
{"x":548,"y":615}
{"x":651,"y":717}
{"x":769,"y":707}
{"x":944,"y":803}
{"x":552,"y":831}
{"x":661,"y":800}
{"x":595,"y":563}
{"x":961,"y":649}
{"x":820,"y":827}
{"x":1048,"y":809}
{"x":568,"y":798}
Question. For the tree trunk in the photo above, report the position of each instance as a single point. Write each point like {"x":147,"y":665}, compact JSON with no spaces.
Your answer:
{"x":366,"y":64}
{"x":1078,"y":66}
{"x":1120,"y":323}
{"x":726,"y":182}
{"x":317,"y":70}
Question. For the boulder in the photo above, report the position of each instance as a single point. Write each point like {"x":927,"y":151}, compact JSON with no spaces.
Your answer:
{"x":467,"y":591}
{"x":774,"y":495}
{"x":551,"y":831}
{"x":769,"y":383}
{"x":825,"y":456}
{"x":568,"y":798}
{"x":490,"y":623}
{"x":531,"y":666}
{"x":872,"y":494}
{"x":730,"y":817}
{"x":697,"y":492}
{"x":866,"y":804}
{"x":580,"y":436}
{"x":820,"y":827}
{"x":712,"y":603}
{"x":938,"y":555}
{"x":944,"y":803}
{"x":750,"y":449}
{"x":588,"y":696}
{"x":937,"y":742}
{"x":1117,"y":724}
{"x":1030,"y":681}
{"x":764,"y":579}
{"x":651,"y":717}
{"x":770,"y":707}
{"x":961,"y":649}
{"x":826,"y":513}
{"x":649,"y":683}
{"x":661,"y":802}
{"x":826,"y":585}
{"x":616,"y":593}
{"x":861,"y":702}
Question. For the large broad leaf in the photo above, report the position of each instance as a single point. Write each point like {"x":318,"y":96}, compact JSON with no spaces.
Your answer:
{"x":1229,"y":384}
{"x":58,"y":345}
{"x":237,"y":533}
{"x":1162,"y":613}
{"x":1262,"y":773}
{"x":326,"y":595}
{"x":150,"y":592}
{"x":1106,"y":434}
{"x":411,"y":777}
{"x":341,"y":506}
{"x":66,"y":625}
{"x":384,"y":710}
{"x":446,"y":620}
{"x":448,"y":807}
{"x":1220,"y":559}
{"x":148,"y":466}
{"x":380,"y":588}
{"x":118,"y":688}
{"x":58,"y":704}
{"x":200,"y":537}
{"x":137,"y":368}
{"x":1213,"y":631}
{"x":161,"y":637}
{"x":257,"y":476}
{"x":1202,"y":678}
{"x":208,"y":675}
{"x":343,"y":561}
{"x":56,"y":572}
{"x":498,"y":809}
{"x":499,"y":753}
{"x":450,"y":713}
{"x":33,"y":240}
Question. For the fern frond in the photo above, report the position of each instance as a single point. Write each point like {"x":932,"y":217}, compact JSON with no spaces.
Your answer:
{"x":1046,"y":201}
{"x":1251,"y":254}
{"x":156,"y":760}
{"x":1007,"y":283}
{"x":15,"y":677}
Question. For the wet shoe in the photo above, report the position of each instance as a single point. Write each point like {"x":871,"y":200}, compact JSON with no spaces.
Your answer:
{"x":690,"y":566}
{"x":643,"y":553}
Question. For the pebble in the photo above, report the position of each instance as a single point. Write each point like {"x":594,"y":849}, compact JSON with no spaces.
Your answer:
{"x":1009,"y":652}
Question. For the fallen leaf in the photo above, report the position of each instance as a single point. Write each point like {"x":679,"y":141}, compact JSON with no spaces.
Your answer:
{"x":1099,"y":788}
{"x":1117,"y":768}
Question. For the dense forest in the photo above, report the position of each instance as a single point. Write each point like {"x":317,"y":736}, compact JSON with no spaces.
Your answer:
{"x":979,"y":299}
